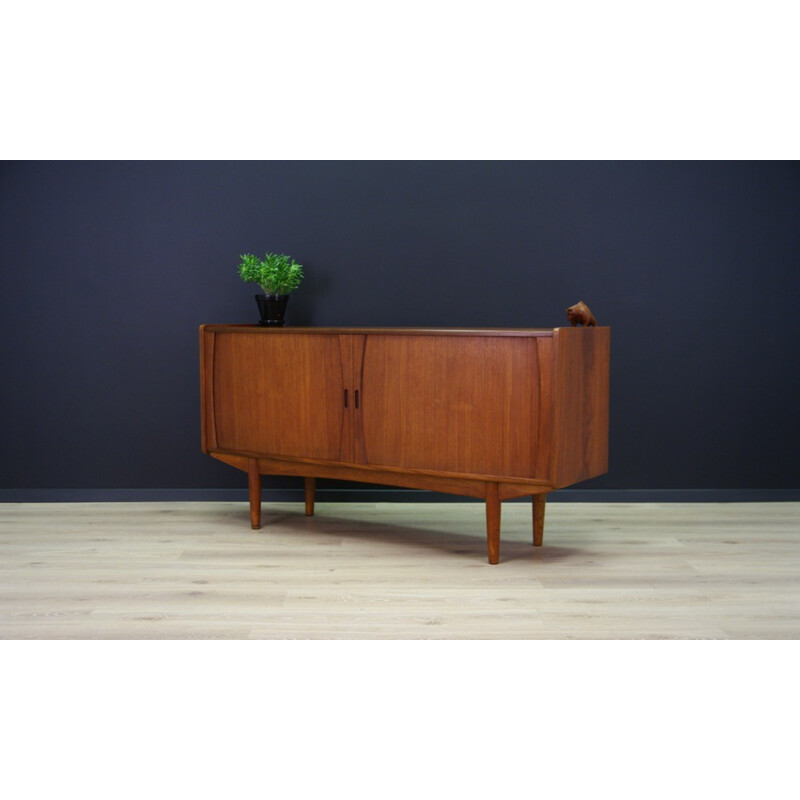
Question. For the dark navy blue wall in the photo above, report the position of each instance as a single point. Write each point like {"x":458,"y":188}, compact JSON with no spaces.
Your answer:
{"x":108,"y":269}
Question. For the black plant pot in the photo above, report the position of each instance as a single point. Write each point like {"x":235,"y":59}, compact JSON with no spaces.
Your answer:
{"x":272,"y":307}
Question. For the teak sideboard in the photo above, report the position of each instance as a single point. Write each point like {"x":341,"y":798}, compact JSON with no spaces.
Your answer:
{"x":486,"y":413}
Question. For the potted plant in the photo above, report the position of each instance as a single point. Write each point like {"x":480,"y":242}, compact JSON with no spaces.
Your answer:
{"x":277,"y":275}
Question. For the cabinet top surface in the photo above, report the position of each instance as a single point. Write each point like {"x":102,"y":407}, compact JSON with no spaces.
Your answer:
{"x":238,"y":328}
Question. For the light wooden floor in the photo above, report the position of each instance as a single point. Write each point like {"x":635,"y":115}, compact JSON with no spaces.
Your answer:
{"x":398,"y":571}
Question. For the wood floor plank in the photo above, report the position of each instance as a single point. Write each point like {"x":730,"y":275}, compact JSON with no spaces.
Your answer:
{"x":398,"y":571}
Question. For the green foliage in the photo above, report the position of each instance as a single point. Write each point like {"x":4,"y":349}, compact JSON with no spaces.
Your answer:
{"x":275,"y":273}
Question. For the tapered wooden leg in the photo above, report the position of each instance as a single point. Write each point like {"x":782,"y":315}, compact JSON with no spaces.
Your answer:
{"x":310,"y":485}
{"x":254,"y":481}
{"x":538,"y":518}
{"x":493,"y":522}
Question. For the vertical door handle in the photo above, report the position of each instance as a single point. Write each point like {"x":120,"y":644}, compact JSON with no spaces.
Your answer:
{"x":356,"y":398}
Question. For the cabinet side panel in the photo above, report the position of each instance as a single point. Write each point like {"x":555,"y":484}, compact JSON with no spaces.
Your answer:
{"x":581,"y":383}
{"x":279,"y":395}
{"x":207,"y":423}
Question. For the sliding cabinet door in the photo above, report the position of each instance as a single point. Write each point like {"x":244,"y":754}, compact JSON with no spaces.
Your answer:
{"x":282,"y":394}
{"x":461,"y":403}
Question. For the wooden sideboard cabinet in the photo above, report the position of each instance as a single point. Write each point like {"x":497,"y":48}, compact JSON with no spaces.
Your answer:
{"x":493,"y":414}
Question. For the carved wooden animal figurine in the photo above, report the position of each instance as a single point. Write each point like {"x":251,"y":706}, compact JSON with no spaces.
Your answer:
{"x":580,"y":314}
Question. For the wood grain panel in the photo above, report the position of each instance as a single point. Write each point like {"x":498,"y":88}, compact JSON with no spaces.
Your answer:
{"x":280,"y":395}
{"x":359,"y":451}
{"x":431,"y":481}
{"x":581,"y":386}
{"x":346,"y":438}
{"x":509,"y":490}
{"x":465,"y":404}
{"x":525,"y":485}
{"x":543,"y":446}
